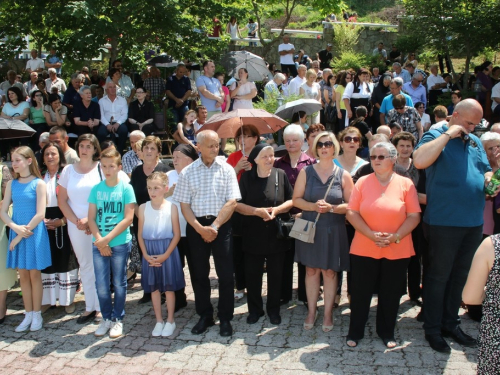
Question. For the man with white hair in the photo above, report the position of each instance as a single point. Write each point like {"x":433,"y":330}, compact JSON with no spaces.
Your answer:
{"x":400,"y":72}
{"x":435,"y":85}
{"x":396,"y":87}
{"x":273,"y":86}
{"x":30,"y":85}
{"x":72,"y":92}
{"x":294,"y":85}
{"x":114,"y":114}
{"x":415,"y":89}
{"x":130,"y":160}
{"x":35,"y":64}
{"x":54,"y":81}
{"x":42,"y":141}
{"x":495,"y":128}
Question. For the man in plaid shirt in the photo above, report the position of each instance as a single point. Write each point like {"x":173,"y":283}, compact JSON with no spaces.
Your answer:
{"x":154,"y":84}
{"x":130,"y":160}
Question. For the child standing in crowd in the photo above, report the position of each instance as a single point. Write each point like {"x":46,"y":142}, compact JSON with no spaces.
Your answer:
{"x":29,"y":242}
{"x":111,"y":211}
{"x":185,"y":129}
{"x":159,"y":233}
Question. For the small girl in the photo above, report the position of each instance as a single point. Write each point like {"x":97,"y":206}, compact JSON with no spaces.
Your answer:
{"x":29,"y":242}
{"x":362,"y":126}
{"x":159,"y":233}
{"x":185,"y":129}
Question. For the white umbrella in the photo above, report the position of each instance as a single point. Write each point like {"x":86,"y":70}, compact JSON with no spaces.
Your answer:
{"x":309,"y":106}
{"x":256,"y":66}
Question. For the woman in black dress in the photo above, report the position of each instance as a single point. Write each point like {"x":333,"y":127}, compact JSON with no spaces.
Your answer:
{"x":266,"y":193}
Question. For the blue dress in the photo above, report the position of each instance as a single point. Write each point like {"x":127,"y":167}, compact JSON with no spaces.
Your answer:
{"x":157,"y":234}
{"x":32,"y":253}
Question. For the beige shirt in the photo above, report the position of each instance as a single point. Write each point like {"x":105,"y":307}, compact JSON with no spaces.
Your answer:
{"x":71,"y":156}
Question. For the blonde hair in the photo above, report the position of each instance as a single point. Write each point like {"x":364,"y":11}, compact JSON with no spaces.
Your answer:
{"x":138,"y":145}
{"x":311,"y":72}
{"x":336,"y":145}
{"x":162,"y":176}
{"x":27,"y":153}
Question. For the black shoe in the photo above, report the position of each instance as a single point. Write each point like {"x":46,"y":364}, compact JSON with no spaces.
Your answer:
{"x":86,"y":318}
{"x":145,"y":299}
{"x":202,"y":325}
{"x":2,"y":320}
{"x":180,"y":305}
{"x":460,"y":337}
{"x":254,"y":318}
{"x":225,"y":328}
{"x":275,"y":319}
{"x":420,"y":316}
{"x":416,"y":301}
{"x":437,"y":343}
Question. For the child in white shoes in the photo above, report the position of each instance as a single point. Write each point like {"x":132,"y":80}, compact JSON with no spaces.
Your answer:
{"x":158,"y":235}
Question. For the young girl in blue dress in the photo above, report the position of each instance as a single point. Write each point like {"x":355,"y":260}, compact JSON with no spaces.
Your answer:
{"x":159,"y":233}
{"x":186,"y":130}
{"x":29,"y":242}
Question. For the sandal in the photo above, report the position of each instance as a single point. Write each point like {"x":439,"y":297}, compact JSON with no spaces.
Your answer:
{"x":390,"y":343}
{"x":309,"y":326}
{"x":347,"y":340}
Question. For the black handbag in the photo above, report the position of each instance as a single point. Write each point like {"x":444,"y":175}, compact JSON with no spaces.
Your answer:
{"x":283,"y":226}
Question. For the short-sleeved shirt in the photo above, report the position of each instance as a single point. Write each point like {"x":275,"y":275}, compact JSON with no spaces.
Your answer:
{"x":178,"y":87}
{"x":35,"y":64}
{"x":110,"y":203}
{"x":325,"y":57}
{"x":93,"y":111}
{"x":408,"y":119}
{"x":37,"y":115}
{"x":17,"y":110}
{"x":129,"y":161}
{"x":48,"y":108}
{"x":387,"y":103}
{"x":288,"y":58}
{"x":213,"y":85}
{"x":384,"y":209}
{"x":54,"y":59}
{"x":455,"y":182}
{"x":155,"y":86}
{"x":207,"y":189}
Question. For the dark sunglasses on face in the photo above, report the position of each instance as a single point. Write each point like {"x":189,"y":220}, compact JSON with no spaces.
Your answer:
{"x":349,"y":139}
{"x":327,"y":144}
{"x":379,"y":157}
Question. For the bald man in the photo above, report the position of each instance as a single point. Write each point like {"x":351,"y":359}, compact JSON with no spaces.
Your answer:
{"x":457,"y":170}
{"x":384,"y":129}
{"x":495,"y":128}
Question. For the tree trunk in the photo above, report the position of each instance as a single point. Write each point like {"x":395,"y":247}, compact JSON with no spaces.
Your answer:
{"x":113,"y":52}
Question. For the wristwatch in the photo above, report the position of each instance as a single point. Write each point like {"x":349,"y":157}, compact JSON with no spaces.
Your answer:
{"x":398,"y":240}
{"x":214,"y":226}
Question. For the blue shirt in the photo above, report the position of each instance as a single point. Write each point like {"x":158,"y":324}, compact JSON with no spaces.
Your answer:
{"x":418,"y":94}
{"x":53,"y":59}
{"x":455,"y":182}
{"x":212,"y":85}
{"x":178,"y":87}
{"x":404,"y":75}
{"x":386,"y":105}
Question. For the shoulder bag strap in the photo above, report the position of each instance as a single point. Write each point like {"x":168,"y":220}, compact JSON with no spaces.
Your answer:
{"x":99,"y":170}
{"x":276,"y":191}
{"x":326,"y":194}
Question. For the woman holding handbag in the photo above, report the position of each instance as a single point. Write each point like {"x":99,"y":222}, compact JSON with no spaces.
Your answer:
{"x":322,"y":192}
{"x":266,"y":194}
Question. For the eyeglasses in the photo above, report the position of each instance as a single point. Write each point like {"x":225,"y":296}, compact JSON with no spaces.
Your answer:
{"x":399,"y":108}
{"x":379,"y":157}
{"x":327,"y":144}
{"x":349,"y":139}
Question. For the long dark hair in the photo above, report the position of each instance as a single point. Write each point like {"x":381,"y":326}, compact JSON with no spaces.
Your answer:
{"x":62,"y":158}
{"x":297,"y":116}
{"x":32,"y":96}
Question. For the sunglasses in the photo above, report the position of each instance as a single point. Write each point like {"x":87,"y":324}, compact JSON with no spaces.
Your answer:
{"x":379,"y":157}
{"x":398,"y":108}
{"x":349,"y":139}
{"x":327,"y":144}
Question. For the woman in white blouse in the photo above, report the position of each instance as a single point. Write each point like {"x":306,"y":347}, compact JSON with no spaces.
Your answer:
{"x":311,"y":90}
{"x":358,"y":93}
{"x":243,"y":91}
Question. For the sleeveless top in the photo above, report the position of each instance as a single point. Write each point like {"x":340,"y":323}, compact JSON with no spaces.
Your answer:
{"x":157,"y":223}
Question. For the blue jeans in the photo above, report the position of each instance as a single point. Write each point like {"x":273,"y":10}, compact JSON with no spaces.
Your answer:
{"x":179,"y":113}
{"x":451,"y":250}
{"x":103,"y":266}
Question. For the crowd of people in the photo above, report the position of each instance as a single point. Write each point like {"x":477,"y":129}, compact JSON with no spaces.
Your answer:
{"x":397,"y":203}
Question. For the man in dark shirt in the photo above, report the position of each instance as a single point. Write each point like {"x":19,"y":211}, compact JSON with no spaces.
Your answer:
{"x":178,"y":92}
{"x":325,"y":56}
{"x":395,"y":54}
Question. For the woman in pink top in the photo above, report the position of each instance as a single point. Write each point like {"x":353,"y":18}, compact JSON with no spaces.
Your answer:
{"x":384,"y":210}
{"x":227,"y":96}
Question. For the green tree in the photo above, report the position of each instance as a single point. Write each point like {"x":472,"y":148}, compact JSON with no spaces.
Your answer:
{"x":460,"y":28}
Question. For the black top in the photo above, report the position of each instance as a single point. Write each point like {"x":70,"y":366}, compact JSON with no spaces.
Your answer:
{"x":394,"y":54}
{"x":259,"y":236}
{"x":93,"y":111}
{"x":364,"y":129}
{"x":325,"y":58}
{"x":178,"y":87}
{"x":138,"y":181}
{"x":143,"y":112}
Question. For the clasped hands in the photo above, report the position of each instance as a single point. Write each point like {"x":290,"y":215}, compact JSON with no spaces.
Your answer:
{"x":154,"y":260}
{"x":323,"y":207}
{"x":82,"y":224}
{"x":383,"y":239}
{"x":22,"y":231}
{"x":113,"y":127}
{"x":267,"y":213}
{"x":208,"y":233}
{"x":52,"y":224}
{"x":102,"y":245}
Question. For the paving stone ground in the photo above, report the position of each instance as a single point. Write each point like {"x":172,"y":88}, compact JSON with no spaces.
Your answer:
{"x":64,"y":347}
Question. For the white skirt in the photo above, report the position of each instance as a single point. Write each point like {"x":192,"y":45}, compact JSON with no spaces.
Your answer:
{"x":59,"y":286}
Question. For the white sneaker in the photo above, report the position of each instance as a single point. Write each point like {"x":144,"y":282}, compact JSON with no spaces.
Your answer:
{"x":37,"y":321}
{"x":168,"y":330}
{"x":103,"y":328}
{"x":26,"y":323}
{"x":157,"y":330}
{"x":116,"y":329}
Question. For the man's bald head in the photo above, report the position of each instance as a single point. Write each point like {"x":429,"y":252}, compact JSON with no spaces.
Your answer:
{"x":384,"y":129}
{"x":468,"y":113}
{"x":495,"y":128}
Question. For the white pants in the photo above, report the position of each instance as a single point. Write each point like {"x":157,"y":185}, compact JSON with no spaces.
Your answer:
{"x":82,"y":245}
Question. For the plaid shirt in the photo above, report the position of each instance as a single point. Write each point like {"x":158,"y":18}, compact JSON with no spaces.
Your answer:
{"x":207,"y":189}
{"x":155,"y":86}
{"x":129,"y":161}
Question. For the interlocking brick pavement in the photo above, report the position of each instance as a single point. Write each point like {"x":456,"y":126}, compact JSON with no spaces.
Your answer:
{"x":64,"y":347}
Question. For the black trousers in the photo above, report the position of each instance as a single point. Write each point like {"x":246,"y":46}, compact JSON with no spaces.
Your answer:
{"x":415,"y":265}
{"x":254,"y":269}
{"x":146,"y":129}
{"x":198,"y":257}
{"x":182,"y":246}
{"x":366,"y":274}
{"x":239,"y":263}
{"x":290,"y":68}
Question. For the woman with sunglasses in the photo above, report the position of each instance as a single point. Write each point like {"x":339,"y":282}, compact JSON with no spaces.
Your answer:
{"x":343,"y":78}
{"x":425,"y":119}
{"x":384,"y":210}
{"x":329,"y":254}
{"x":350,"y":141}
{"x":406,"y":116}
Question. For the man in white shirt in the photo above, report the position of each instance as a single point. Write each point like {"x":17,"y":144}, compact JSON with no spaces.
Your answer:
{"x":495,"y":99}
{"x":31,"y":84}
{"x":34,"y":64}
{"x":294,"y":85}
{"x":286,"y":51}
{"x":54,"y":81}
{"x":11,"y":81}
{"x":435,"y":85}
{"x":114,"y":113}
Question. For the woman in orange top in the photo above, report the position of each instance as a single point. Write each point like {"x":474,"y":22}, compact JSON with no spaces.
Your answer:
{"x":384,"y":210}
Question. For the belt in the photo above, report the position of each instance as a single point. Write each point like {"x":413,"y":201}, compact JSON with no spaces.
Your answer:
{"x":207,"y":217}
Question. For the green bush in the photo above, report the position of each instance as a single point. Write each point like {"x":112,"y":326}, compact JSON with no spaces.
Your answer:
{"x":351,"y":60}
{"x":408,"y":43}
{"x":346,"y":37}
{"x":271,"y":104}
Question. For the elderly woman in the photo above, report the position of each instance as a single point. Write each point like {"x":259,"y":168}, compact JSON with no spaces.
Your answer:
{"x":151,"y":151}
{"x":311,"y":90}
{"x":311,"y":134}
{"x":266,"y":194}
{"x":292,"y":163}
{"x":384,"y":210}
{"x":55,"y":112}
{"x":491,"y":144}
{"x":87,"y":115}
{"x":75,"y":183}
{"x":322,"y":192}
{"x":60,"y":280}
{"x":243,"y":91}
{"x":141,"y":114}
{"x":406,"y":116}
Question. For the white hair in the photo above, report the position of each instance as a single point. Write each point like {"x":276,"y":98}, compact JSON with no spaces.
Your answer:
{"x":294,"y":130}
{"x":391,"y":150}
{"x":398,"y":81}
{"x":52,"y":70}
{"x":280,"y":76}
{"x":137,"y":133}
{"x":490,"y":136}
{"x":44,"y":137}
{"x":201,"y":136}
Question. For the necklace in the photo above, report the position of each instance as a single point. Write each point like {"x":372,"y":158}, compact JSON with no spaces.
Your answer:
{"x":59,"y":246}
{"x":24,"y":176}
{"x":385,"y":185}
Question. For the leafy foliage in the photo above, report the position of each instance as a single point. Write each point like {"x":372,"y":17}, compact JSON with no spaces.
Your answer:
{"x":271,"y":104}
{"x":351,"y":60}
{"x":346,"y":37}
